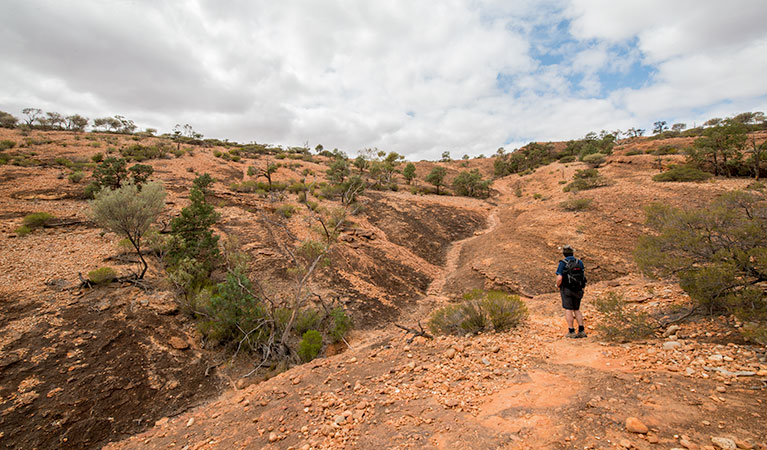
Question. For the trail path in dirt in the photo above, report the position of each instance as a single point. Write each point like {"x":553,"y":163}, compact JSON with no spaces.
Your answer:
{"x":529,"y":388}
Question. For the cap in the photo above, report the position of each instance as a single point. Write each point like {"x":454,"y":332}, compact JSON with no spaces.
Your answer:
{"x":567,"y":249}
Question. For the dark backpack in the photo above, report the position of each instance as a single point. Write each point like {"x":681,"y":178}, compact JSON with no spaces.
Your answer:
{"x":573,"y":275}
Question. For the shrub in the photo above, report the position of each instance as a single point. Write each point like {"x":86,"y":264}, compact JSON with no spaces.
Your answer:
{"x":504,"y":311}
{"x":471,"y":184}
{"x":90,"y":190}
{"x":286,"y":211}
{"x":682,"y":174}
{"x":217,"y":153}
{"x":633,"y":152}
{"x":23,"y":230}
{"x":618,"y":323}
{"x":537,"y":196}
{"x":567,"y":159}
{"x":575,"y":204}
{"x":310,"y":345}
{"x":584,"y":180}
{"x":477,"y":311}
{"x":340,"y":324}
{"x":129,"y":212}
{"x":138,"y":152}
{"x":38,"y":220}
{"x":102,"y":275}
{"x":62,"y":161}
{"x":307,"y":319}
{"x":76,"y":177}
{"x":665,"y":150}
{"x":594,"y":160}
{"x":6,"y":144}
{"x":756,"y":186}
{"x":98,"y":157}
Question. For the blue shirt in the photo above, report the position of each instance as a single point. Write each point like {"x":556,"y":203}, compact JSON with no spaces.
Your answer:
{"x":561,"y":266}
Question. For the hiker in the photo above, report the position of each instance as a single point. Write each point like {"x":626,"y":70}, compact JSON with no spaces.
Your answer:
{"x":571,"y":280}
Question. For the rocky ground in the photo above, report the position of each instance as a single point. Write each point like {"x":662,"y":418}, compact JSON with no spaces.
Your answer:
{"x":83,"y":367}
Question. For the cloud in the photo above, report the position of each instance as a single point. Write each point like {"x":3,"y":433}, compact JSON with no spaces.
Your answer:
{"x":417,"y":77}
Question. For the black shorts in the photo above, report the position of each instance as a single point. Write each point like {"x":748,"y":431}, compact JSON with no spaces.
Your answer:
{"x":571,"y":299}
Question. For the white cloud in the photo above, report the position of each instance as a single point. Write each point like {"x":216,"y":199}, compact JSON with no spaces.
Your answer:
{"x":416,"y":77}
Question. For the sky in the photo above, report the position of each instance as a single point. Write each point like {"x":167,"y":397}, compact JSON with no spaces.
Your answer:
{"x":413,"y":76}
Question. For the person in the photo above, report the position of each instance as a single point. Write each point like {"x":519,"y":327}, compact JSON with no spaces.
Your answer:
{"x":571,"y":290}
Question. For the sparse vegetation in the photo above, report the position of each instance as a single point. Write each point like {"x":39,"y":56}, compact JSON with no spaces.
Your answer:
{"x":102,"y":275}
{"x":437,"y":177}
{"x":576,"y":204}
{"x":471,"y":184}
{"x":619,"y":323}
{"x":37,"y":220}
{"x":478,"y":311}
{"x":584,"y":180}
{"x":310,"y":345}
{"x":682,"y":174}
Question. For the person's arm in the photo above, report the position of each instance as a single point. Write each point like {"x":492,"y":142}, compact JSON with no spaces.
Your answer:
{"x":559,"y":281}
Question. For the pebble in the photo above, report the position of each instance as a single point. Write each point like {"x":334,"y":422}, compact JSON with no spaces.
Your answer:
{"x":635,"y":425}
{"x":339,"y":419}
{"x":450,"y":353}
{"x":190,"y":422}
{"x":178,"y":343}
{"x":670,"y":345}
{"x":273,"y":437}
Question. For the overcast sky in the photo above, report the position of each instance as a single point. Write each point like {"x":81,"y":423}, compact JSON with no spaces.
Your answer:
{"x":412,"y":76}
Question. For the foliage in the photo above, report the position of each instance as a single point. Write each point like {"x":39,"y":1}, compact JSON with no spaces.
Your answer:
{"x":97,"y":158}
{"x":618,"y":323}
{"x":446,"y":157}
{"x":576,"y":204}
{"x":594,"y":159}
{"x":111,"y":172}
{"x":7,"y":120}
{"x":129,"y":212}
{"x":76,"y":177}
{"x":138,"y":152}
{"x":437,"y":177}
{"x":307,"y":319}
{"x":340,"y":324}
{"x":682,"y":173}
{"x":384,"y":167}
{"x":478,"y":311}
{"x":102,"y":275}
{"x":37,"y":220}
{"x":584,"y":180}
{"x":720,"y":148}
{"x":409,"y":172}
{"x":192,"y":234}
{"x":471,"y":184}
{"x":718,"y":253}
{"x":338,"y":170}
{"x":22,"y":230}
{"x":6,"y":144}
{"x":310,"y":345}
{"x":531,"y":156}
{"x":286,"y":211}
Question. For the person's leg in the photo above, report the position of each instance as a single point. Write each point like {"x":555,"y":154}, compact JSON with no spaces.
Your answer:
{"x":569,"y":318}
{"x":581,"y":331}
{"x":578,"y":317}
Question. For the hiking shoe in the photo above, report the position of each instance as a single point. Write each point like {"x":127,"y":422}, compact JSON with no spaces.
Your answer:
{"x":571,"y":335}
{"x":581,"y":334}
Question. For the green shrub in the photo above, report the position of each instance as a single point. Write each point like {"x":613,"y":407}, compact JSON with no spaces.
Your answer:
{"x":682,"y":174}
{"x":6,"y":144}
{"x":23,"y":230}
{"x":665,"y":150}
{"x":102,"y":275}
{"x":91,"y":189}
{"x":584,"y":180}
{"x":286,"y":211}
{"x":217,"y":153}
{"x":567,"y":159}
{"x":756,"y":186}
{"x":478,"y":311}
{"x":62,"y":161}
{"x":138,"y":152}
{"x":575,"y":204}
{"x":633,"y":152}
{"x":537,"y":196}
{"x":340,"y":324}
{"x":310,"y":345}
{"x":594,"y":159}
{"x":38,"y":220}
{"x":98,"y":157}
{"x":618,"y":323}
{"x":76,"y":177}
{"x":307,"y":319}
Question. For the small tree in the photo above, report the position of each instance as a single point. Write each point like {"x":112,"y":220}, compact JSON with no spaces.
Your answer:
{"x":678,"y":127}
{"x":111,"y":172}
{"x":659,"y":127}
{"x":446,"y":157}
{"x":76,"y":123}
{"x":437,"y":177}
{"x":409,"y":172}
{"x":32,"y":115}
{"x":361,"y":163}
{"x":471,"y":184}
{"x":129,"y":212}
{"x":338,"y":170}
{"x":7,"y":120}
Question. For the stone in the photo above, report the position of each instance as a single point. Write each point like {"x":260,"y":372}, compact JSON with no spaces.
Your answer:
{"x":273,"y":437}
{"x":452,"y":402}
{"x":744,"y":444}
{"x":671,"y":330}
{"x":352,"y":360}
{"x":635,"y":425}
{"x":625,"y":443}
{"x":339,"y":419}
{"x":495,"y":348}
{"x":178,"y":343}
{"x":190,"y":422}
{"x":450,"y":353}
{"x":670,"y":345}
{"x":724,"y":443}
{"x":688,"y":445}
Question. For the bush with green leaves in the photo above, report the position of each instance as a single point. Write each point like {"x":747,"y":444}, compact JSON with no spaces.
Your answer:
{"x":38,"y":220}
{"x":437,"y":177}
{"x":307,"y":319}
{"x":286,"y":211}
{"x":102,"y":275}
{"x":138,"y":152}
{"x":408,"y":173}
{"x":76,"y":177}
{"x":618,"y":323}
{"x":310,"y":345}
{"x":576,"y":204}
{"x":129,"y":212}
{"x":6,"y":144}
{"x":471,"y":184}
{"x":594,"y":159}
{"x":584,"y":180}
{"x":718,"y":253}
{"x":682,"y":174}
{"x":479,"y":311}
{"x":340,"y":324}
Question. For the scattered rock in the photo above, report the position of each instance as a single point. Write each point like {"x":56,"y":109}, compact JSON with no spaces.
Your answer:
{"x":452,"y":402}
{"x":273,"y":437}
{"x":178,"y":343}
{"x":339,"y":419}
{"x":671,"y":330}
{"x":450,"y":353}
{"x":190,"y":422}
{"x":724,"y":443}
{"x":625,"y":443}
{"x":670,"y":345}
{"x":635,"y":425}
